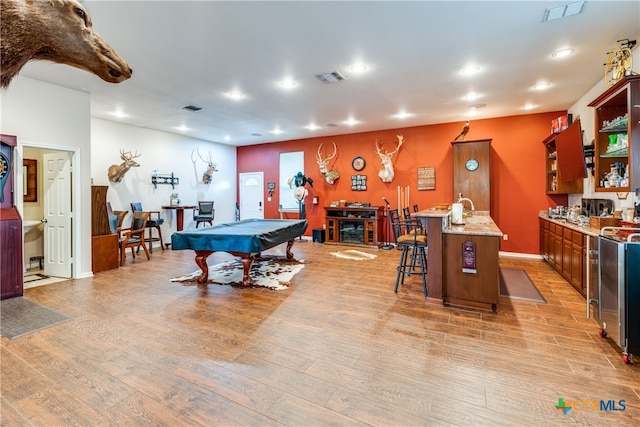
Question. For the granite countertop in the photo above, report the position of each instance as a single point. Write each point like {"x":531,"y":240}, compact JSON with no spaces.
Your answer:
{"x":478,"y":223}
{"x":563,"y":222}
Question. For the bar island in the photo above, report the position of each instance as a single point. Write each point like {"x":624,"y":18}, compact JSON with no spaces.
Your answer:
{"x":463,"y":267}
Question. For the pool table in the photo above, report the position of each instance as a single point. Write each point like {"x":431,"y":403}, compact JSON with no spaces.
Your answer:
{"x":244,"y":239}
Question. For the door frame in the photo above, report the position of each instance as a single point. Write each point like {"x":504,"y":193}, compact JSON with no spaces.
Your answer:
{"x":76,"y":223}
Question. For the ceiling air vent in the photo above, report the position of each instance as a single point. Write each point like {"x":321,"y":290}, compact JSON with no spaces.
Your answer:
{"x":332,"y":77}
{"x":192,"y":108}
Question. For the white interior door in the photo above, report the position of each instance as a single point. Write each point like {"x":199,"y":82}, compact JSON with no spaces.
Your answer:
{"x":57,"y":214}
{"x":252,"y":195}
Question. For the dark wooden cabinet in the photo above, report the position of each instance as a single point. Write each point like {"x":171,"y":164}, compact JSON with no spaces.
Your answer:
{"x":565,"y":250}
{"x":11,"y":271}
{"x":104,"y":244}
{"x":472,"y":172}
{"x":564,"y":148}
{"x":354,"y":225}
{"x":617,"y":117}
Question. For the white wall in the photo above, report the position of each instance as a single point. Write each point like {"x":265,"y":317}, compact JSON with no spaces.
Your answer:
{"x":165,"y":153}
{"x":49,"y":116}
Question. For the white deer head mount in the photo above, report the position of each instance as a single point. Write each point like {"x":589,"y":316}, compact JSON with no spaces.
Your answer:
{"x":330,"y":175}
{"x":59,"y":31}
{"x":116,"y":172}
{"x":211,"y":167}
{"x":386,"y":174}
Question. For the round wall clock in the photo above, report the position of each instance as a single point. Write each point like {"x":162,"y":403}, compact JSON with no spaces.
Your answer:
{"x":471,"y":164}
{"x":358,"y":163}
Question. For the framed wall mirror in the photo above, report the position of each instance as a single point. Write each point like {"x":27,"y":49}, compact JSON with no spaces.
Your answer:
{"x":29,"y":180}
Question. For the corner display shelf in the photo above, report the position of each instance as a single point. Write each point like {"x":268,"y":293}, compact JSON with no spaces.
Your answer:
{"x":621,"y":100}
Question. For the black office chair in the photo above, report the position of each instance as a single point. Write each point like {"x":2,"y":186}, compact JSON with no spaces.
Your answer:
{"x":205,"y":213}
{"x":150,"y":225}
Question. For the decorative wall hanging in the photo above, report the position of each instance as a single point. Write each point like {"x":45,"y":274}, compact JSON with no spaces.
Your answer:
{"x":116,"y":172}
{"x":211,"y":167}
{"x":30,"y":180}
{"x":386,"y":174}
{"x":358,"y":182}
{"x":358,"y":163}
{"x":330,"y":175}
{"x":427,"y":178}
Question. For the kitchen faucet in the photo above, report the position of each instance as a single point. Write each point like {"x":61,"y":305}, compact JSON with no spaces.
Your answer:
{"x":462,"y":199}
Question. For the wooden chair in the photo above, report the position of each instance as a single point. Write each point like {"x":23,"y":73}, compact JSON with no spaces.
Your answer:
{"x":133,"y":237}
{"x":205,"y":213}
{"x":151,"y":224}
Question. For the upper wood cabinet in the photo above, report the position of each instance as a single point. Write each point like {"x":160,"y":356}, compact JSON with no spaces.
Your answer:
{"x":617,"y":117}
{"x":564,"y":165}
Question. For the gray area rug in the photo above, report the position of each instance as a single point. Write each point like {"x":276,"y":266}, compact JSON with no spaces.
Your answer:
{"x":515,"y":283}
{"x":19,"y":317}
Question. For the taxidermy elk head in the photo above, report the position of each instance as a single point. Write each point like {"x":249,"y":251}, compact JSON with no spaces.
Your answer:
{"x":386,"y":174}
{"x":330,"y":175}
{"x":59,"y":31}
{"x":116,"y":172}
{"x":211,"y":167}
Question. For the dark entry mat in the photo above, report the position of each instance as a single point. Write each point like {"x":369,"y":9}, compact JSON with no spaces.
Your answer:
{"x":515,"y":283}
{"x":19,"y":316}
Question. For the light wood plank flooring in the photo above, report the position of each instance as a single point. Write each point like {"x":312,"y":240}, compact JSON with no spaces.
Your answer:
{"x":339,"y":347}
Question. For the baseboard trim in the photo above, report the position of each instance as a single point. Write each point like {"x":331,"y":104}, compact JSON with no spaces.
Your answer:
{"x":519,"y":255}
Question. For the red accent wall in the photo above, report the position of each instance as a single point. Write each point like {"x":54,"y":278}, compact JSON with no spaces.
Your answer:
{"x":517,"y":171}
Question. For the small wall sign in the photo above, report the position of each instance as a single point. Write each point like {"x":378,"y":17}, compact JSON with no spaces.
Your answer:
{"x":427,"y":178}
{"x":469,"y":257}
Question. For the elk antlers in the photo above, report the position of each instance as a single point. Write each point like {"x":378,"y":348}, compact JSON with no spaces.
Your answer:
{"x":330,"y":175}
{"x":116,"y":172}
{"x":211,"y":167}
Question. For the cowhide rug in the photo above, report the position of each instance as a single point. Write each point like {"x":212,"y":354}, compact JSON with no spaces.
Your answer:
{"x":272,"y":273}
{"x":354,"y":255}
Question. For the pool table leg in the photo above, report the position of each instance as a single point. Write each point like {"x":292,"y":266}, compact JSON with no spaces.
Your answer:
{"x":247,"y":261}
{"x":201,"y":261}
{"x":289,"y":246}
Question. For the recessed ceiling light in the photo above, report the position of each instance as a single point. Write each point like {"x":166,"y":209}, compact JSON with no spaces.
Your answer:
{"x":235,"y":94}
{"x":119,"y":114}
{"x":312,"y":126}
{"x":277,"y":131}
{"x":288,"y":84}
{"x":471,"y":96}
{"x":562,"y":53}
{"x":529,"y":107}
{"x":183,"y":128}
{"x":358,"y":68}
{"x":227,"y":138}
{"x":471,"y":69}
{"x":402,"y":115}
{"x":351,"y":122}
{"x":542,"y":86}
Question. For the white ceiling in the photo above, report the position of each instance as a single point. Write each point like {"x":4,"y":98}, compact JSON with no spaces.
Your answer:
{"x":192,"y":52}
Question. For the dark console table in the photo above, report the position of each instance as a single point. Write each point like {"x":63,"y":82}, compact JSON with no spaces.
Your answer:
{"x":354,"y":225}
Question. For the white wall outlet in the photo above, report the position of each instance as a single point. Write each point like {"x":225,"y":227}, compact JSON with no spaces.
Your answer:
{"x":505,"y":236}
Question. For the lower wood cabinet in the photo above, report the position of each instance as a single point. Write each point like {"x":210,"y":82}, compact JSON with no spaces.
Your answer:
{"x":565,"y":250}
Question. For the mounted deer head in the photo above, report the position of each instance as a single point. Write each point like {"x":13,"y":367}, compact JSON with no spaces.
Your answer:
{"x":116,"y":172}
{"x":211,"y":167}
{"x":386,"y":174}
{"x":59,"y":31}
{"x":330,"y":175}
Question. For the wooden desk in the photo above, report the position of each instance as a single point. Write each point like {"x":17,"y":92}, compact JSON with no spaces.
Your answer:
{"x":179,"y":214}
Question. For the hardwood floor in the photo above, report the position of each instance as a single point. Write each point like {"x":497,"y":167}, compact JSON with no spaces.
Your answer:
{"x":339,"y":347}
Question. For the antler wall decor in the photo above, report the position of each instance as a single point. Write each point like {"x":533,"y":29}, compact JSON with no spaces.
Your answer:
{"x":330,"y":175}
{"x":116,"y":172}
{"x":59,"y":31}
{"x":211,"y":167}
{"x":386,"y":174}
